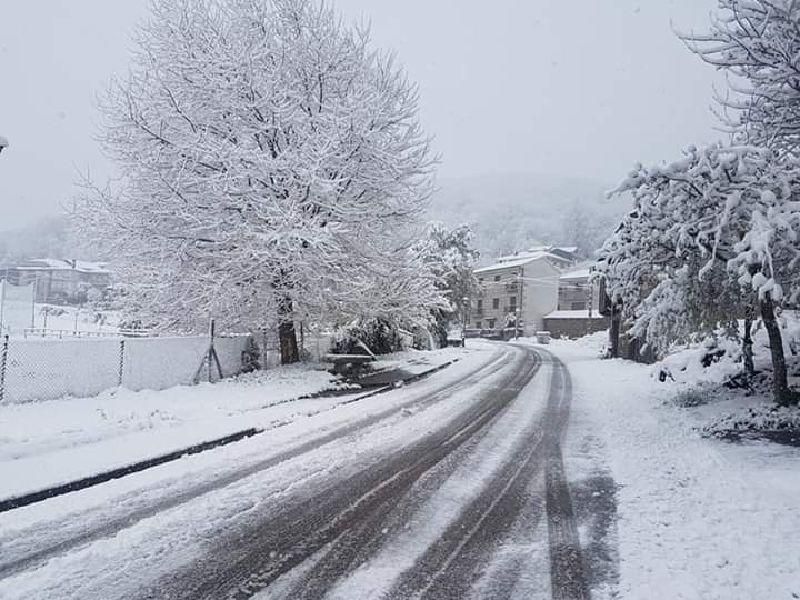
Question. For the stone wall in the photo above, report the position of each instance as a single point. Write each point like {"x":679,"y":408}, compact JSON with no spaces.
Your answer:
{"x":574,"y":328}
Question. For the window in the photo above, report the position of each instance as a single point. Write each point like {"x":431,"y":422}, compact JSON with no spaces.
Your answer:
{"x":495,"y":303}
{"x":491,"y":323}
{"x":513,"y":302}
{"x":480,"y":305}
{"x":478,"y":324}
{"x":579,"y":306}
{"x":497,"y":277}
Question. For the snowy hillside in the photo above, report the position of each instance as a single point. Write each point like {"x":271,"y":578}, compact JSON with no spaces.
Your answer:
{"x":514,"y":211}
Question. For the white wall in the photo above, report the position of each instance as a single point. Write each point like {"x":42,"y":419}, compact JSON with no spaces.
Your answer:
{"x":540,"y":294}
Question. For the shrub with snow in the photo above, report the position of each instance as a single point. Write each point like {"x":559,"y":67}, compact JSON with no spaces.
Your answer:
{"x":773,"y":422}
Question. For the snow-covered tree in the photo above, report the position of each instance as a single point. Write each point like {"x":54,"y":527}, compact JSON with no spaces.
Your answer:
{"x":451,"y":257}
{"x":710,"y":233}
{"x":273,"y":168}
{"x":757,"y":43}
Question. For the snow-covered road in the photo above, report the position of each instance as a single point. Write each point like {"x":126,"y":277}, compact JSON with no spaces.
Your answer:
{"x":450,"y":488}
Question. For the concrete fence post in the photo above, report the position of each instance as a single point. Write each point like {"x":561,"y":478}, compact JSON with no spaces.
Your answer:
{"x":3,"y":364}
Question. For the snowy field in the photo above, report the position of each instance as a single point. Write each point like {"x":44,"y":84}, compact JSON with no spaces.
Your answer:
{"x":47,"y":443}
{"x":698,"y":519}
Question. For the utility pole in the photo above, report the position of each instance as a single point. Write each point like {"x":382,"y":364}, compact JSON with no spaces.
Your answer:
{"x":3,"y":144}
{"x":465,"y":306}
{"x":520,"y":280}
{"x":3,"y":285}
{"x":591,"y":300}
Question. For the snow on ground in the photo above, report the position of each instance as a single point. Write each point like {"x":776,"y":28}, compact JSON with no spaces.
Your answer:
{"x":698,"y":518}
{"x":415,"y":361}
{"x":47,"y":443}
{"x":117,"y":565}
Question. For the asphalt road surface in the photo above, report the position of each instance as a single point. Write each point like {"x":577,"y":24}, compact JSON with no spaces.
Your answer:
{"x":477,"y":506}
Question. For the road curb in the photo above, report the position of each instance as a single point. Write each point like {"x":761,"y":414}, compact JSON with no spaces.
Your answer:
{"x":87,"y":482}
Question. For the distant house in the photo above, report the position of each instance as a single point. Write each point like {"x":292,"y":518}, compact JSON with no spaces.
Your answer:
{"x":60,"y":281}
{"x":567,"y":253}
{"x":575,"y":292}
{"x":578,"y":311}
{"x":523,"y":288}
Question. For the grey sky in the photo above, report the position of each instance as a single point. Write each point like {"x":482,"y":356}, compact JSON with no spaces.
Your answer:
{"x":581,"y":87}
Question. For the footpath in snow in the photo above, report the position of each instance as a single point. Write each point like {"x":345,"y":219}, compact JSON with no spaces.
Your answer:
{"x":44,"y":444}
{"x":674,"y":515}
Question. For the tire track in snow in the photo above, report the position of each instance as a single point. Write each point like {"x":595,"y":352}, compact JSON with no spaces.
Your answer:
{"x":567,"y":572}
{"x":455,"y":563}
{"x":249,"y":561}
{"x":13,"y":563}
{"x":364,"y":541}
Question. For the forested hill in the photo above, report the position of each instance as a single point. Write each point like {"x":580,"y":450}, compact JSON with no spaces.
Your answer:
{"x":515,"y":212}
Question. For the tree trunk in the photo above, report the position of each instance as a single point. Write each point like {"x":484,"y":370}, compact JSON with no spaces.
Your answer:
{"x":780,"y":386}
{"x":747,"y":347}
{"x":614,"y":330}
{"x":287,"y":336}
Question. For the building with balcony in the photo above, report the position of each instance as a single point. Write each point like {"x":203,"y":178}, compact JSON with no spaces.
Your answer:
{"x":517,"y":291}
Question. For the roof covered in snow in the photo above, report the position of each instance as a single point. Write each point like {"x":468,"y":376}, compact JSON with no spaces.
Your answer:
{"x":565,"y":249}
{"x":522,"y":259}
{"x":579,"y":274}
{"x":57,"y":264}
{"x":573,"y":314}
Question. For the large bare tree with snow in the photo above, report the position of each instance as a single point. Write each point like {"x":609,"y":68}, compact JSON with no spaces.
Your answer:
{"x":757,"y":43}
{"x":273,"y":167}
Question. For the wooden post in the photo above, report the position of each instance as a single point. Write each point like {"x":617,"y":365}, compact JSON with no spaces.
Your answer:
{"x":210,"y":347}
{"x":747,"y":344}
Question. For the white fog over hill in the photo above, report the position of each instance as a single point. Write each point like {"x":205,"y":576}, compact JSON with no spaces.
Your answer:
{"x":512,"y":212}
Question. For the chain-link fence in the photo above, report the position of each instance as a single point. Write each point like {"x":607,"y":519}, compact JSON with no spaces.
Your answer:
{"x":46,"y":369}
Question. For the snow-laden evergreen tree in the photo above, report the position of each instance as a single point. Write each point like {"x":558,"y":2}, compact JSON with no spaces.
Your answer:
{"x":757,"y":43}
{"x":711,"y":233}
{"x":451,"y":256}
{"x":273,"y":167}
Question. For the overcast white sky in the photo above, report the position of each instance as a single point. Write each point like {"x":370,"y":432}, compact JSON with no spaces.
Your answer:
{"x":581,"y":87}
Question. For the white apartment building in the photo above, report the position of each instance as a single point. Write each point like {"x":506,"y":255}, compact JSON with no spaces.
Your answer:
{"x":524,"y":286}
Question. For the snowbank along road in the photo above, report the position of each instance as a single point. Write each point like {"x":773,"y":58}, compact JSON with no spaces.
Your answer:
{"x":450,"y":488}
